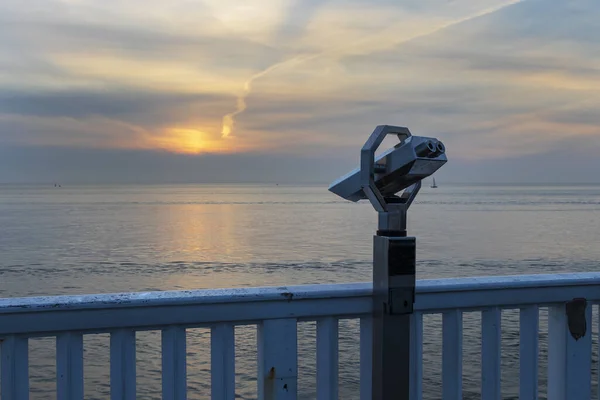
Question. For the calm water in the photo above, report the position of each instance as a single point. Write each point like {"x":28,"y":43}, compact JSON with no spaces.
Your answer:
{"x":102,"y":239}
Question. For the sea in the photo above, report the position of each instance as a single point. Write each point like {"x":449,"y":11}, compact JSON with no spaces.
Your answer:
{"x":78,"y":239}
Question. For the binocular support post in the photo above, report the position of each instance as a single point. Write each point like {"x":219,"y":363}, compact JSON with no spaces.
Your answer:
{"x":394,"y":270}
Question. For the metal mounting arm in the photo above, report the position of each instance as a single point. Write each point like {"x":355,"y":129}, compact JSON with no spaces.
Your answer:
{"x":367,"y":162}
{"x":392,"y":209}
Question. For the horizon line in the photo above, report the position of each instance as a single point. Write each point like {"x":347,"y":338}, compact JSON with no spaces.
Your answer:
{"x":297,"y":183}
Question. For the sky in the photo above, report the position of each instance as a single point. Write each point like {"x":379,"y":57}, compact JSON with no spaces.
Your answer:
{"x":230,"y":91}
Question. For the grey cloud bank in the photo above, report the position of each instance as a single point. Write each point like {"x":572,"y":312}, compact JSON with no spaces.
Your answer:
{"x":75,"y":165}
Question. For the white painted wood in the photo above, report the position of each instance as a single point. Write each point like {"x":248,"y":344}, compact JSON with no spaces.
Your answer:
{"x":246,"y":305}
{"x":557,"y":352}
{"x":366,"y":357}
{"x":327,"y":359}
{"x":222,"y":343}
{"x":278,"y":360}
{"x":452,"y":355}
{"x":416,"y":357}
{"x":14,"y":368}
{"x":69,"y":366}
{"x":538,"y":282}
{"x":279,"y":308}
{"x":579,"y":362}
{"x":509,"y":292}
{"x":174,"y":378}
{"x":122,"y":365}
{"x":154,"y":310}
{"x":490,"y":354}
{"x":569,"y":360}
{"x":528,"y":352}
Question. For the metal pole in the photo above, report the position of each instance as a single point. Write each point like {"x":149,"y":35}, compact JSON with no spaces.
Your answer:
{"x":394,"y":267}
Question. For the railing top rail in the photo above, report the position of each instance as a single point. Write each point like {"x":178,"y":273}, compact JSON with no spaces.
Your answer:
{"x":45,"y":316}
{"x":506,"y":291}
{"x":508,"y":282}
{"x":183,"y":297}
{"x":288,"y":293}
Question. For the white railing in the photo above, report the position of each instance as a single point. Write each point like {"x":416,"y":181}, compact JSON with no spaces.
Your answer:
{"x":276,"y":312}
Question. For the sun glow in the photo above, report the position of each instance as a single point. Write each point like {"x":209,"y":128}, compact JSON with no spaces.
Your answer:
{"x":188,"y":141}
{"x":196,"y":141}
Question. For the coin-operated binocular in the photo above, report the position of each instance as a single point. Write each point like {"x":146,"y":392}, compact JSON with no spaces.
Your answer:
{"x":394,"y":254}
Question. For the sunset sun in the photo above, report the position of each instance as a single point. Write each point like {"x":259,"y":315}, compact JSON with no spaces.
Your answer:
{"x":188,"y":141}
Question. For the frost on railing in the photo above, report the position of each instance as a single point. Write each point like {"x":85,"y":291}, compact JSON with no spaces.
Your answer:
{"x":472,"y":338}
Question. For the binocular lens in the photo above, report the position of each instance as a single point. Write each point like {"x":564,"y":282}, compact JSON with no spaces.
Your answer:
{"x":441,"y":149}
{"x":427,"y":149}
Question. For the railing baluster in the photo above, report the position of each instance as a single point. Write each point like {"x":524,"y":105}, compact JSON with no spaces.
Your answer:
{"x":557,"y":352}
{"x":122,"y":365}
{"x":174,"y":382}
{"x":528,"y":353}
{"x":416,"y":357}
{"x":69,"y":366}
{"x":579,"y":361}
{"x":14,"y":368}
{"x":490,"y":354}
{"x":569,"y":360}
{"x":452,"y":355}
{"x":222,"y":341}
{"x":327,"y":359}
{"x":278,"y":359}
{"x":366,"y":357}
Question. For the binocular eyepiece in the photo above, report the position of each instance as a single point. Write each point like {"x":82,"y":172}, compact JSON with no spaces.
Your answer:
{"x":430,"y":148}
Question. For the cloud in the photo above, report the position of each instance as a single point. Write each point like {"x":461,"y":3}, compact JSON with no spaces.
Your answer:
{"x":116,"y":103}
{"x":229,"y":119}
{"x":570,"y":161}
{"x":39,"y":164}
{"x":494,"y":79}
{"x":146,"y":44}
